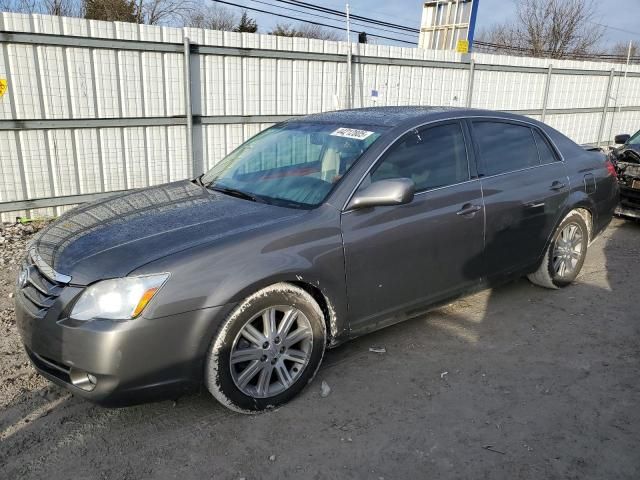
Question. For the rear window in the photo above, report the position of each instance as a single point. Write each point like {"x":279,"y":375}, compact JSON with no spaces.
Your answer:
{"x":505,"y":147}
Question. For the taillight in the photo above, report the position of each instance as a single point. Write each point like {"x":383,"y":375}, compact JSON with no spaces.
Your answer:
{"x":611,"y":168}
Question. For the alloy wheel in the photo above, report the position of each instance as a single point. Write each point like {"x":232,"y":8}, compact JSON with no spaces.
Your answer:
{"x":271,"y":351}
{"x":568,"y":250}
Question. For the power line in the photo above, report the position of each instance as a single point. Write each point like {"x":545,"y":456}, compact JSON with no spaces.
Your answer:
{"x":333,"y":19}
{"x":548,"y":53}
{"x":307,"y":21}
{"x":338,"y":5}
{"x":353,"y":17}
{"x":616,"y":28}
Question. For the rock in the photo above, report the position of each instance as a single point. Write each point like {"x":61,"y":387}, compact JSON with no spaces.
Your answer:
{"x":272,"y":458}
{"x":378,"y":349}
{"x":325,"y":389}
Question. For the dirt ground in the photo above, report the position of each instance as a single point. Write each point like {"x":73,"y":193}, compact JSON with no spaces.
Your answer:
{"x":516,"y":382}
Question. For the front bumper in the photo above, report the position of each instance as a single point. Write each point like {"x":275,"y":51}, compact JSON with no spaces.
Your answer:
{"x":133,"y":361}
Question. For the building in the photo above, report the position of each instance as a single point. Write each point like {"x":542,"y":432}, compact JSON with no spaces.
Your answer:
{"x":446,"y":22}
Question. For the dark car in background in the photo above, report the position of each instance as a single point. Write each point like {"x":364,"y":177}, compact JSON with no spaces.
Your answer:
{"x":626,"y":159}
{"x":313,"y":232}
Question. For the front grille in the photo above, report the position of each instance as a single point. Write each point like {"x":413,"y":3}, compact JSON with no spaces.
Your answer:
{"x":38,"y":291}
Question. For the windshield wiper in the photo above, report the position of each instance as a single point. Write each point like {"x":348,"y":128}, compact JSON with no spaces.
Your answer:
{"x":234,"y":192}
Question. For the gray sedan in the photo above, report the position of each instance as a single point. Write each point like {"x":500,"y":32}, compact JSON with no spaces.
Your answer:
{"x":313,"y":232}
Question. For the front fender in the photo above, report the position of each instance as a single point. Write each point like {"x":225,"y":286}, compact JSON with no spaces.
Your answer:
{"x":308,"y":252}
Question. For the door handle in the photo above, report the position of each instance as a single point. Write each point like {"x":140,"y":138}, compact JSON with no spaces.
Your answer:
{"x":558,"y":185}
{"x":468,"y":209}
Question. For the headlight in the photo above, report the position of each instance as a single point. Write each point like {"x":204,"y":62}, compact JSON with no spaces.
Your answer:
{"x":119,"y":298}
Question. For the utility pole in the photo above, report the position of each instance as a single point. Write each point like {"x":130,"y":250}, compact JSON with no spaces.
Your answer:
{"x":620,"y":80}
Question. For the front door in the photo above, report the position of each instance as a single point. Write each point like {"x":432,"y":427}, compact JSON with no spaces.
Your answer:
{"x":398,"y":258}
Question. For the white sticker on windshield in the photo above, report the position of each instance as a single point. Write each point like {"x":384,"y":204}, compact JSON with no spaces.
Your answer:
{"x":351,"y":133}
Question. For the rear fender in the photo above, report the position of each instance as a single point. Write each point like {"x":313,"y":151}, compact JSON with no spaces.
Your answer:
{"x":578,"y":199}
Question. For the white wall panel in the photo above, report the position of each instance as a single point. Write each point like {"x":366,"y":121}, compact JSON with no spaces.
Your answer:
{"x":136,"y":169}
{"x":157,"y":155}
{"x":35,"y":159}
{"x":113,"y":159}
{"x":81,"y":83}
{"x":65,"y":179}
{"x":10,"y":181}
{"x":89,"y":160}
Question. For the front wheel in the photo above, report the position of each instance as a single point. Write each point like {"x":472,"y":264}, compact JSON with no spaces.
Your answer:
{"x":267,"y":350}
{"x":565,"y":254}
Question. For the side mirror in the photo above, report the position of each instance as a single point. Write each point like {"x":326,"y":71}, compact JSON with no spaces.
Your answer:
{"x":397,"y":191}
{"x":622,"y":139}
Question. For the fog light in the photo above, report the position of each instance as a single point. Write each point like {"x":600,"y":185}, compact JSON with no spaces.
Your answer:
{"x":82,"y":379}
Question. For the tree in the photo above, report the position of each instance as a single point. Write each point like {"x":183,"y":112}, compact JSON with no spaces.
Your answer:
{"x":61,"y":8}
{"x":548,"y":28}
{"x":67,"y":8}
{"x":164,"y":12}
{"x":304,"y":31}
{"x":622,"y":49}
{"x":246,"y":24}
{"x":215,"y":18}
{"x":112,"y":10}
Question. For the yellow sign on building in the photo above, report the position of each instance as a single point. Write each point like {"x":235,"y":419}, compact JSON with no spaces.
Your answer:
{"x":3,"y":86}
{"x":462,"y":46}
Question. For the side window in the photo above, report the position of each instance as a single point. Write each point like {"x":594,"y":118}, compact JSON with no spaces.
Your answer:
{"x":432,"y":157}
{"x":547,"y":155}
{"x":505,"y":147}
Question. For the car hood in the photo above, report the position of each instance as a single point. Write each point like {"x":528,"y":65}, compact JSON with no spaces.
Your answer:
{"x":113,"y":237}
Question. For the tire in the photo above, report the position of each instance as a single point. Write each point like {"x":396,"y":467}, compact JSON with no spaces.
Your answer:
{"x":249,"y":367}
{"x":548,"y":274}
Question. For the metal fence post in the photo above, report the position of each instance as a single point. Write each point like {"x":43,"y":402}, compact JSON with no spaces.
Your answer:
{"x":605,"y":108}
{"x":187,"y":103}
{"x":472,"y":67}
{"x":545,"y":100}
{"x":349,"y":101}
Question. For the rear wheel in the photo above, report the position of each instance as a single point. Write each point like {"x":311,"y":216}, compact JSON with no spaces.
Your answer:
{"x":268,"y":349}
{"x":565,"y":255}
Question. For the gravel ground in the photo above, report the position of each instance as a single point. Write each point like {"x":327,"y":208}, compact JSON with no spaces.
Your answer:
{"x":515,"y":382}
{"x":17,"y":377}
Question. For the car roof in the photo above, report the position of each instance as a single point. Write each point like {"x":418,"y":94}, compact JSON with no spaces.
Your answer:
{"x":396,"y":116}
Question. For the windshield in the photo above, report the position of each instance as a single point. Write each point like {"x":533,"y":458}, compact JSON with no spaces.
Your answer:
{"x":635,"y":139}
{"x":294,"y":164}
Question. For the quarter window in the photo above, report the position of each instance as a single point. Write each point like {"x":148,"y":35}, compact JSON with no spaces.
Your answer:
{"x":432,"y":157}
{"x":546,"y":154}
{"x":505,"y":147}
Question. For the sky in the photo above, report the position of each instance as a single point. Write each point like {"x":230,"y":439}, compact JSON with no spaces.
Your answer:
{"x":618,"y":15}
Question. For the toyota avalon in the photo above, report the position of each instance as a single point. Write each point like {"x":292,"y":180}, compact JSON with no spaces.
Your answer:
{"x":315,"y":231}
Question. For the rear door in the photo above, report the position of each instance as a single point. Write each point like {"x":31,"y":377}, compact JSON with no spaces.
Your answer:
{"x":525,"y":188}
{"x":399,"y":257}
